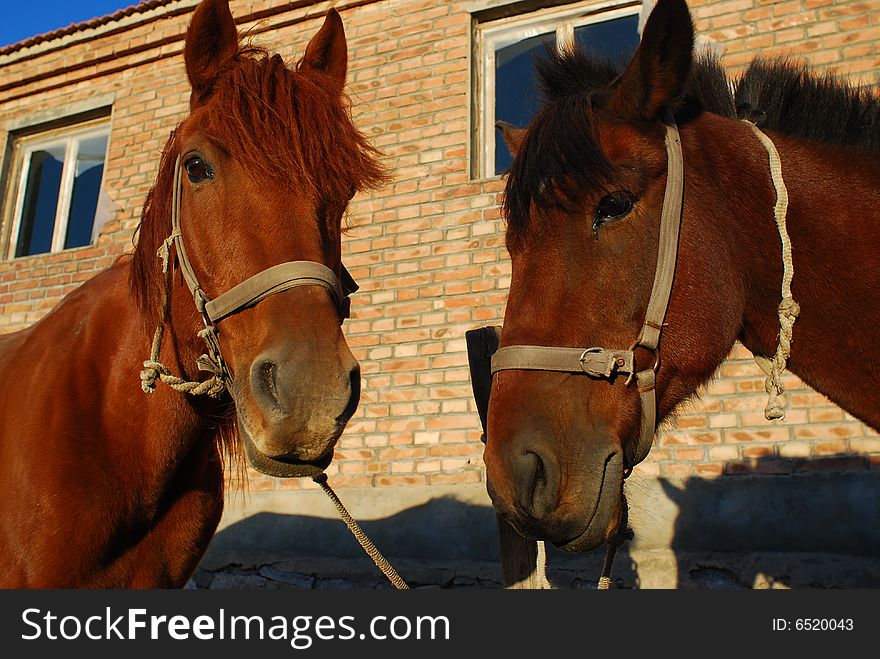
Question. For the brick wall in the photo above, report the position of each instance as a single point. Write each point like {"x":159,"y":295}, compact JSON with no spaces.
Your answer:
{"x":428,"y":249}
{"x":838,"y":35}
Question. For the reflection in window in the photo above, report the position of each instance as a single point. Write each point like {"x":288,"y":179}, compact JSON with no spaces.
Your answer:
{"x":59,"y":186}
{"x":41,"y":201}
{"x":615,"y":39}
{"x":516,"y":96}
{"x":508,"y":90}
{"x":86,"y":187}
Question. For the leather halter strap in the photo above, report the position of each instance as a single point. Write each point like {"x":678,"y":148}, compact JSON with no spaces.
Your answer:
{"x":275,"y":279}
{"x":605,"y":363}
{"x":595,"y":362}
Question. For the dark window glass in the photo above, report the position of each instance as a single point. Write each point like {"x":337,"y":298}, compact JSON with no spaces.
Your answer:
{"x":40,"y":201}
{"x":86,"y":187}
{"x":516,"y":98}
{"x":616,"y":39}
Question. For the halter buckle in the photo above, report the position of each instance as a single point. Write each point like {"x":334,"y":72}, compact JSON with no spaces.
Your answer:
{"x":613,"y":361}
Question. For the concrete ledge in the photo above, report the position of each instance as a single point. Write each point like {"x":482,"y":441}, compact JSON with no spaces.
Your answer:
{"x":801,"y":530}
{"x":415,"y":522}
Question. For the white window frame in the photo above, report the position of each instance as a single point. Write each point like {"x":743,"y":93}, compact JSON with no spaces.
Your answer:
{"x":493,"y":35}
{"x":70,"y":137}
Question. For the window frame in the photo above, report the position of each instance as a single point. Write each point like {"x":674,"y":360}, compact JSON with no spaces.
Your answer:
{"x":491,"y":35}
{"x":70,"y":136}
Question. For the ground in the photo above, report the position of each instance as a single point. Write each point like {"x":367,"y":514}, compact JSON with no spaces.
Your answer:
{"x":637,"y":569}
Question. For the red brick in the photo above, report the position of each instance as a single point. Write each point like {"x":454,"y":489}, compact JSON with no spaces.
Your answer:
{"x":428,"y":249}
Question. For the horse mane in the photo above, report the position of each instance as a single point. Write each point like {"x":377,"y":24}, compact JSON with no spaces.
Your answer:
{"x":560,"y":155}
{"x":787,"y":97}
{"x":280,"y":122}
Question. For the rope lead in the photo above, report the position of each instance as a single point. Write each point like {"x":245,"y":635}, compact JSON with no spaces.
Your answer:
{"x":360,"y":536}
{"x":788,"y":309}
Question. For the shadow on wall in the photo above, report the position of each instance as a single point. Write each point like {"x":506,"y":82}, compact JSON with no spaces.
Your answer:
{"x":462,"y":531}
{"x":775,"y":522}
{"x":769,"y":522}
{"x":445,"y":543}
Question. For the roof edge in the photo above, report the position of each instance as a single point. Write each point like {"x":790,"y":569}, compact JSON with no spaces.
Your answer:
{"x":140,"y":8}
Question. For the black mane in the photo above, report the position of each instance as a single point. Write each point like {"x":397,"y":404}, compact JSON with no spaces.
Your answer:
{"x":788,"y":98}
{"x":560,"y":154}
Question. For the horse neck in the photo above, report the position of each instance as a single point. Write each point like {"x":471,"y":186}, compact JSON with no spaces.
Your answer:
{"x":833,"y":221}
{"x":98,"y":325}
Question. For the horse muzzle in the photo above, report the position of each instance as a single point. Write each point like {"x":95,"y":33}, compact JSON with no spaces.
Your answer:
{"x":293,"y":406}
{"x":573,"y":506}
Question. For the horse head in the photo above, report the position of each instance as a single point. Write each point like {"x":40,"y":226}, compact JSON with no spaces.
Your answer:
{"x":583,"y":202}
{"x":265,"y":165}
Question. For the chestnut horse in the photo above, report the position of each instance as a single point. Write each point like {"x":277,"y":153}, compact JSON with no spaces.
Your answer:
{"x":103,"y":485}
{"x":583,"y":206}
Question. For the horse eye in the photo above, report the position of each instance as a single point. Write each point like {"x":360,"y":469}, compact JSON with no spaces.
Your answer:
{"x":612,"y":207}
{"x":197,"y":170}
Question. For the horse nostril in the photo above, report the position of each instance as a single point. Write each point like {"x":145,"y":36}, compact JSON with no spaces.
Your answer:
{"x":354,"y":378}
{"x":534,"y":495}
{"x":267,"y":375}
{"x":539,"y":483}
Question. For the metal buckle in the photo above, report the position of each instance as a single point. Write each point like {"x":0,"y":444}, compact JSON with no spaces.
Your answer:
{"x":611,"y":365}
{"x":583,"y":357}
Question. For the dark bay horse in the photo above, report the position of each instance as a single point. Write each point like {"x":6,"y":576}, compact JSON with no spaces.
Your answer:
{"x":103,"y":485}
{"x":583,"y":206}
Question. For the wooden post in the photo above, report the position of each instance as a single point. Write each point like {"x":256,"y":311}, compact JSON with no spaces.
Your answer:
{"x":522,"y":562}
{"x":522,"y":559}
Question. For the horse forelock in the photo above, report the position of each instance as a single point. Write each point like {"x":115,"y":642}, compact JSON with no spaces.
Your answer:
{"x":559,"y":159}
{"x":560,"y":156}
{"x":290,"y":125}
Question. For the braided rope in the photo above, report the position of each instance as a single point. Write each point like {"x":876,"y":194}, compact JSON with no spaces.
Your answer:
{"x":360,"y":536}
{"x":788,"y":309}
{"x":623,"y":534}
{"x":542,"y":582}
{"x":157,"y":371}
{"x":154,"y":371}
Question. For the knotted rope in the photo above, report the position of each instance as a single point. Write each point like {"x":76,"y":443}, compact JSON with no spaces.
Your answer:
{"x":360,"y":536}
{"x":788,"y":309}
{"x":543,"y":583}
{"x":154,"y":370}
{"x":623,"y":534}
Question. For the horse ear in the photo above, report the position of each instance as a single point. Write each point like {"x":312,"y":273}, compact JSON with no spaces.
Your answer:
{"x":656,"y":76}
{"x":210,"y":40}
{"x":512,"y":135}
{"x":327,"y":52}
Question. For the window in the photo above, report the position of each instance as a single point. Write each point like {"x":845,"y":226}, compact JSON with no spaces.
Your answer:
{"x":505,"y":52}
{"x":56,"y":182}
